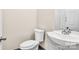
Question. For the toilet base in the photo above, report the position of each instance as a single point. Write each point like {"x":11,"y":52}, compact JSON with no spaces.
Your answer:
{"x":31,"y":48}
{"x":39,"y":48}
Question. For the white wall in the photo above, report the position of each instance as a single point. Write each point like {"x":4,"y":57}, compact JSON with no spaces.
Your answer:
{"x":58,"y":21}
{"x":72,"y":19}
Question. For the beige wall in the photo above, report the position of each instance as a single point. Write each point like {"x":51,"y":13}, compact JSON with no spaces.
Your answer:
{"x":45,"y":19}
{"x":19,"y":26}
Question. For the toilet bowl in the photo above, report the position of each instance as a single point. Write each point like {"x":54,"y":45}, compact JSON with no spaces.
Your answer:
{"x":33,"y":44}
{"x":29,"y":45}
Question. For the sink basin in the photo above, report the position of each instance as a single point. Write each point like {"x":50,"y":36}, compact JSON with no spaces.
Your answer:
{"x":64,"y":40}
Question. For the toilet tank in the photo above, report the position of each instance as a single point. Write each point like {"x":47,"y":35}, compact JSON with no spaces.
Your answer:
{"x":39,"y":35}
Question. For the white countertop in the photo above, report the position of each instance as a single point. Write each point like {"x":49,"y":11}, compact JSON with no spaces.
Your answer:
{"x":72,"y":37}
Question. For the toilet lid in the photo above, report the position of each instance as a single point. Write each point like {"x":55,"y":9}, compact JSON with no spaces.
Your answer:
{"x":28,"y":44}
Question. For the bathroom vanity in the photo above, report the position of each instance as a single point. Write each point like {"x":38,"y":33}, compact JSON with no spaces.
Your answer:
{"x":62,"y":41}
{"x":58,"y":41}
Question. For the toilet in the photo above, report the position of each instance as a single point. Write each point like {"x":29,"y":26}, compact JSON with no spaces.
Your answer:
{"x":33,"y":44}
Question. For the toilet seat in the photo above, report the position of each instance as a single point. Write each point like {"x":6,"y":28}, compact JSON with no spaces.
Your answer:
{"x":29,"y":44}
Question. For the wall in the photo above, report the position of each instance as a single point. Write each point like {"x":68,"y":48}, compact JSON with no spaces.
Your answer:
{"x":1,"y":23}
{"x":72,"y":19}
{"x":45,"y":21}
{"x":18,"y":26}
{"x":1,"y":28}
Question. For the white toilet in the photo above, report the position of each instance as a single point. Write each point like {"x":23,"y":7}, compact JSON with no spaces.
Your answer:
{"x":33,"y":44}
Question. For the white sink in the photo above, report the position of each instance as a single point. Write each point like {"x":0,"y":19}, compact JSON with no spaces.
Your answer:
{"x":64,"y":40}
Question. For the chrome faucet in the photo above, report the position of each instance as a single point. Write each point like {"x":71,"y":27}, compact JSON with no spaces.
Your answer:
{"x":66,"y":31}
